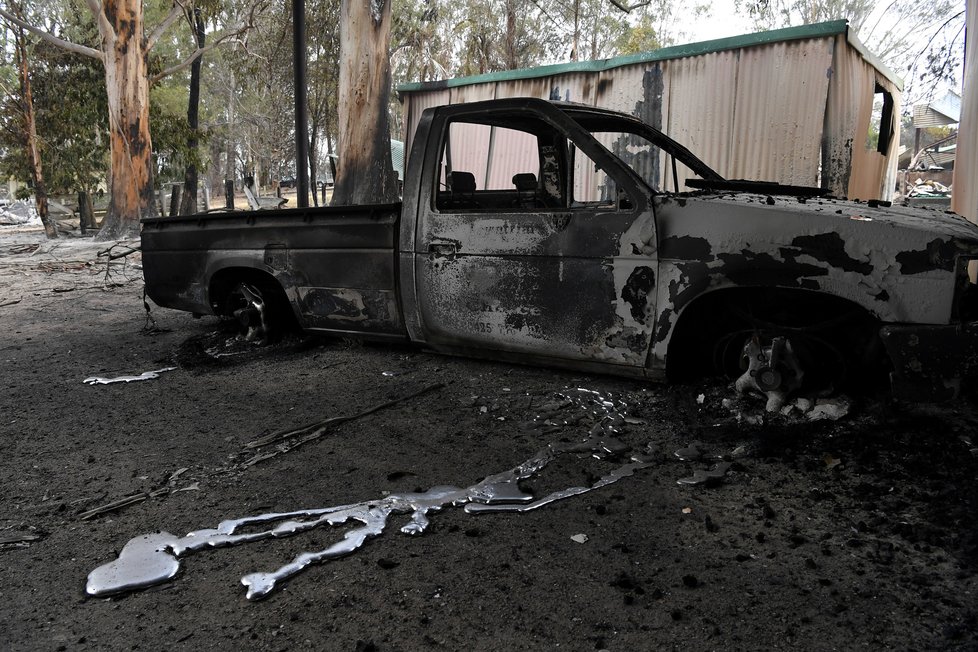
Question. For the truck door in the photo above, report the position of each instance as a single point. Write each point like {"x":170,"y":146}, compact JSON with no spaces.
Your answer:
{"x":533,"y":243}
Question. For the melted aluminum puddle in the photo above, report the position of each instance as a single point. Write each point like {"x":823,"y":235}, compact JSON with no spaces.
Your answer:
{"x":151,"y":559}
{"x":146,"y":375}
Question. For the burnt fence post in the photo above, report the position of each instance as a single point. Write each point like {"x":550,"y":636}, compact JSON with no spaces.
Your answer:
{"x":176,"y":190}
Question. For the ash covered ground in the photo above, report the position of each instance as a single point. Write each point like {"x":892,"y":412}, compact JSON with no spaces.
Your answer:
{"x":848,"y":534}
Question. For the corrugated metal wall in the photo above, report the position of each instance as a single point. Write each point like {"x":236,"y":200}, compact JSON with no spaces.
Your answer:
{"x":850,"y":167}
{"x":414,"y":106}
{"x":791,"y":111}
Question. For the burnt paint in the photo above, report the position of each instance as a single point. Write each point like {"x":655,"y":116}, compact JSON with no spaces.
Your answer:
{"x":686,"y":247}
{"x":633,"y":341}
{"x":664,"y":326}
{"x":636,"y":291}
{"x":516,"y":293}
{"x":828,"y":248}
{"x":939,"y":254}
{"x":326,"y":308}
{"x":694,"y":280}
{"x":759,"y":268}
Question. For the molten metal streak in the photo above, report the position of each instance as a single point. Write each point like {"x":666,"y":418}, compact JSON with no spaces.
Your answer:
{"x":154,"y":558}
{"x":146,"y":375}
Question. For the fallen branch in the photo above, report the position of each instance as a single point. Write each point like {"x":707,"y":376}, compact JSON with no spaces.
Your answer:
{"x":318,"y":429}
{"x":122,"y":502}
{"x":113,"y":256}
{"x":114,"y":505}
{"x":18,"y":537}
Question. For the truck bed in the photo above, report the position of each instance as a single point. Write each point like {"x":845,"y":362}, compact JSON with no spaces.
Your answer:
{"x":336,"y":264}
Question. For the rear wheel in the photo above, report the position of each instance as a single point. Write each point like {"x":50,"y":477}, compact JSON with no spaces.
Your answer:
{"x":247,"y":306}
{"x":259,"y":307}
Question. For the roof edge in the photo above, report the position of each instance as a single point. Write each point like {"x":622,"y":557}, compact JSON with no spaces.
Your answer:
{"x":816,"y":30}
{"x":873,"y":60}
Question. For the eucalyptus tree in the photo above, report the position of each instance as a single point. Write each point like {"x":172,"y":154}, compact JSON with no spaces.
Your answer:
{"x":25,"y":124}
{"x":128,"y":31}
{"x":365,"y":174}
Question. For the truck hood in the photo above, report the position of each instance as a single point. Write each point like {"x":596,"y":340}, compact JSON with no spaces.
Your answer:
{"x":860,"y":217}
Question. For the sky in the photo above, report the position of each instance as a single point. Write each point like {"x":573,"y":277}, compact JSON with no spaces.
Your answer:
{"x":723,"y":22}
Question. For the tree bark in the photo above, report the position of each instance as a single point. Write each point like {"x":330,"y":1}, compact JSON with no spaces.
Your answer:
{"x":130,"y":145}
{"x":229,"y":167}
{"x":313,"y":168}
{"x":189,"y":205}
{"x":30,"y":137}
{"x":366,"y":174}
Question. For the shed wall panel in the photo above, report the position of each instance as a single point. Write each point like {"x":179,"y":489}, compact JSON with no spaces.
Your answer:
{"x":700,"y":107}
{"x":779,"y":112}
{"x":414,"y":106}
{"x":852,"y":169}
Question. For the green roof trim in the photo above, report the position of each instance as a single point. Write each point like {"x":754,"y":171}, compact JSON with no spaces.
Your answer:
{"x":831,"y":28}
{"x":816,"y":30}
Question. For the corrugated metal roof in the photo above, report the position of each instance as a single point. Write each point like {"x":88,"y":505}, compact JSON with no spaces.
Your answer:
{"x":945,"y":111}
{"x":816,"y":30}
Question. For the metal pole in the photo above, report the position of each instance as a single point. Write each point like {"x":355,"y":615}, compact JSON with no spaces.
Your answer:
{"x":301,"y":105}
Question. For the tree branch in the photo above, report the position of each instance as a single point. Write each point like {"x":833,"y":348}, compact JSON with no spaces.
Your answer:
{"x":176,"y":12}
{"x":51,"y":38}
{"x":105,"y":28}
{"x":245,"y":27}
{"x":199,"y":52}
{"x":628,"y":8}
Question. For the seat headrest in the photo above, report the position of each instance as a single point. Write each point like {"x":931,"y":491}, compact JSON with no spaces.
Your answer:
{"x":525,"y":181}
{"x":463,"y":182}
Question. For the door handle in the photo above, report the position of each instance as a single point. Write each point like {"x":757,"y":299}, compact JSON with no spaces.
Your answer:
{"x":443,"y":248}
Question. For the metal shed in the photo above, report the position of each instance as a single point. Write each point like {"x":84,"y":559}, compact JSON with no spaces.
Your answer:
{"x":791,"y":105}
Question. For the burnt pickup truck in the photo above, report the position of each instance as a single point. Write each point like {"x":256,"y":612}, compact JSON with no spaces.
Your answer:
{"x":572,"y":236}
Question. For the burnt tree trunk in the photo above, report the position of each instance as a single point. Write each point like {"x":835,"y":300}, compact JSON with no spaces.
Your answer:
{"x":131,"y":149}
{"x":30,"y":137}
{"x":313,"y":168}
{"x":189,"y":205}
{"x":365,"y":174}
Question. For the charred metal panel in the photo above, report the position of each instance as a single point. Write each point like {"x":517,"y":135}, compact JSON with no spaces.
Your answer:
{"x":175,"y":279}
{"x":349,"y":248}
{"x":349,"y":309}
{"x":885,"y":259}
{"x":516,"y":304}
{"x":849,"y":168}
{"x":929,"y":362}
{"x":551,"y":294}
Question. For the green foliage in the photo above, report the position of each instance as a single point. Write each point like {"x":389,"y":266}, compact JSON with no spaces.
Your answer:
{"x":642,"y":37}
{"x":170,"y":133}
{"x":72,"y":122}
